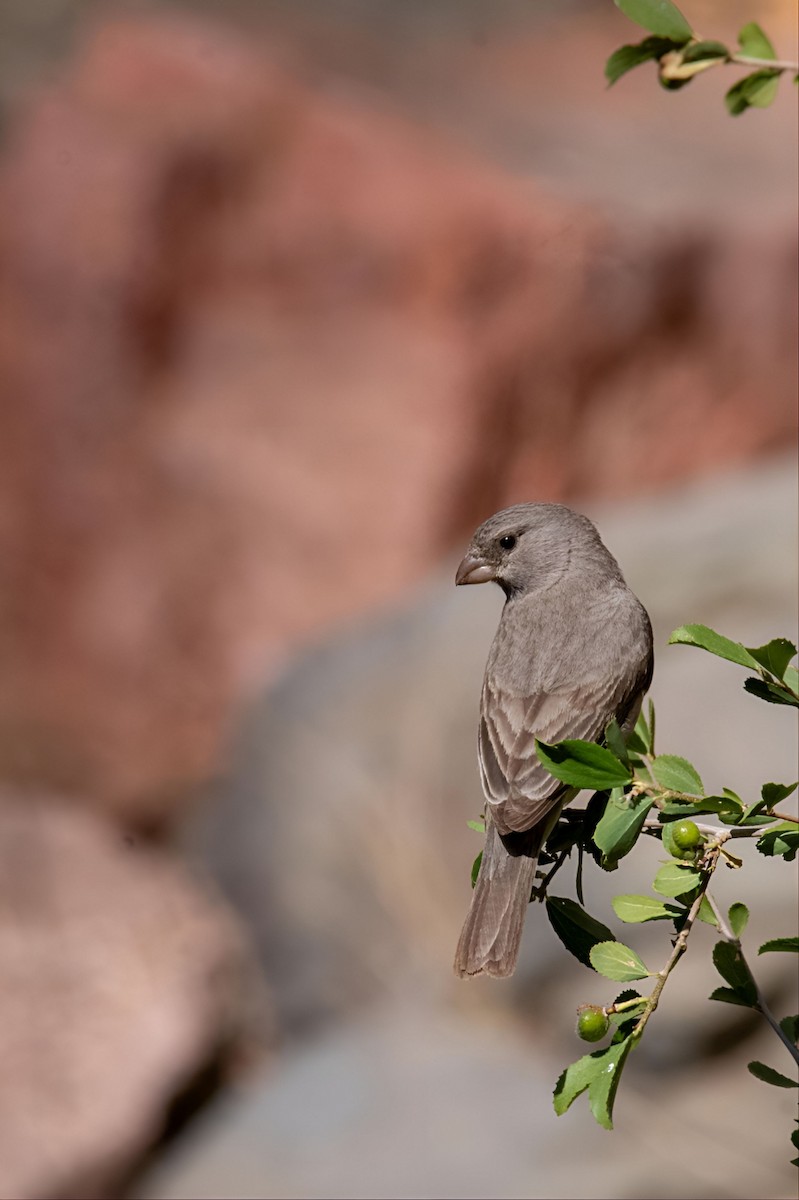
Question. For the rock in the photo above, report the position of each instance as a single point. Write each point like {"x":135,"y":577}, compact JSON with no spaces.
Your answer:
{"x":421,"y":1103}
{"x":340,"y":832}
{"x":124,"y":983}
{"x":267,"y":351}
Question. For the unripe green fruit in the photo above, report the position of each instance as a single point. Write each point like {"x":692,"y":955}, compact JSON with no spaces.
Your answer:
{"x":681,"y":839}
{"x":592,"y":1023}
{"x":686,"y":835}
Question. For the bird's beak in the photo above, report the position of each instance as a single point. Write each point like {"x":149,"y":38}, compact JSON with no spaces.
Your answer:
{"x":474,"y":569}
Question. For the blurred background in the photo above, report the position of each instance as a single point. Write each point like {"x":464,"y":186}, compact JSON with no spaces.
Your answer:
{"x":293,"y":295}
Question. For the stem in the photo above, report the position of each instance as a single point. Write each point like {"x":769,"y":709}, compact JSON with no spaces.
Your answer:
{"x":761,"y":1006}
{"x":783,"y":817}
{"x":651,"y":825}
{"x":677,"y":952}
{"x":776,"y":64}
{"x":541,"y":890}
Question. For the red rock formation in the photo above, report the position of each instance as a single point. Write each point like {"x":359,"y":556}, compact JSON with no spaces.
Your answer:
{"x":265,"y":352}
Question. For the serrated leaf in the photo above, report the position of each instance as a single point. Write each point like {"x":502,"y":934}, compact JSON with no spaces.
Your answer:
{"x":790,"y":1027}
{"x":476,"y":867}
{"x":676,"y":774}
{"x":583,"y":764}
{"x":738,"y":917}
{"x":637,"y":909}
{"x":617,"y":961}
{"x":673,"y":879}
{"x":688,"y":808}
{"x":702,"y":51}
{"x":772,"y":693}
{"x":754,"y":43}
{"x":631,"y":1015}
{"x":729,"y":996}
{"x":714,"y":643}
{"x":620,"y":826}
{"x":575,"y":1079}
{"x":788,"y":944}
{"x":604,"y":1084}
{"x":614,"y":740}
{"x":705,"y":913}
{"x":658,"y":16}
{"x":757,"y":90}
{"x":775,"y":655}
{"x":643,"y":733}
{"x":781,"y":841}
{"x":626,"y":58}
{"x":769,"y":1075}
{"x":730,"y":964}
{"x":576,"y":928}
{"x":775,"y":793}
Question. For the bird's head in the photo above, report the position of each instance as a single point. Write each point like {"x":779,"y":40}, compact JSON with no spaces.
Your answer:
{"x":526,"y":547}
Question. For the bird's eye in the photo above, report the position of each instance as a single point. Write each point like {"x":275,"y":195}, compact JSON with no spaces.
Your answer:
{"x":508,"y":541}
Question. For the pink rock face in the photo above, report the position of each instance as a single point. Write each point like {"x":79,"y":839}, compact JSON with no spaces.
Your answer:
{"x":265,"y":353}
{"x":121,"y":980}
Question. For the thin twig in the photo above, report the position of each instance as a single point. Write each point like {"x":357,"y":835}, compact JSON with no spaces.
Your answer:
{"x":680,"y":944}
{"x":761,"y":1005}
{"x":776,"y":64}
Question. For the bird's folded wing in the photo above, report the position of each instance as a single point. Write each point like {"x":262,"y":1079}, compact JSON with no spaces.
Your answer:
{"x":520,"y":790}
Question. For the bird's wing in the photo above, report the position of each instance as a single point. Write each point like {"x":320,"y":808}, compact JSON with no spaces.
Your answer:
{"x":520,"y":790}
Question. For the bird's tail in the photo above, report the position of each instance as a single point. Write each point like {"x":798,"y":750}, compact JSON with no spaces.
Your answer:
{"x":490,"y":939}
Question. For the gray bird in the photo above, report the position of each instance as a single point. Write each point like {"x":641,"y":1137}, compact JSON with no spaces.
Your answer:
{"x":573,"y":650}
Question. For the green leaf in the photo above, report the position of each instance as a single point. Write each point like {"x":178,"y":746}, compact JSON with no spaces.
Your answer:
{"x":769,"y":1075}
{"x":576,"y":928}
{"x":619,"y":827}
{"x":599,"y":1073}
{"x":780,"y":841}
{"x":626,"y":58}
{"x":476,"y":867}
{"x":757,"y":90}
{"x":714,"y":643}
{"x":477,"y":826}
{"x":772,"y":693}
{"x":676,"y":774}
{"x":789,"y":944}
{"x":775,"y":655}
{"x":791,"y":678}
{"x":705,"y":913}
{"x":636,"y":909}
{"x":775,"y":793}
{"x":583,"y":764}
{"x":708,"y":804}
{"x":619,"y":962}
{"x":754,"y":43}
{"x":790,"y":1027}
{"x":729,"y":963}
{"x":604,"y":1085}
{"x":614,"y":740}
{"x":575,"y":1079}
{"x":703,"y":51}
{"x":728,"y":996}
{"x":658,"y":16}
{"x":675,"y":880}
{"x":738,"y":917}
{"x":630,"y":1015}
{"x":642,"y":733}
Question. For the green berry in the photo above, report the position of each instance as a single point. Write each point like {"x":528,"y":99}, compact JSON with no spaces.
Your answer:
{"x":686,"y":835}
{"x":592,"y":1022}
{"x":682,"y":839}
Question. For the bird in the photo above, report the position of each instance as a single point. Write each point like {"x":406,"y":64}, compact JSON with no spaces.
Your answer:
{"x":573,"y":651}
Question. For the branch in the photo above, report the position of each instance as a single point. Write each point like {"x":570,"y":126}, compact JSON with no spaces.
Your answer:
{"x":776,"y":64}
{"x":761,"y":1006}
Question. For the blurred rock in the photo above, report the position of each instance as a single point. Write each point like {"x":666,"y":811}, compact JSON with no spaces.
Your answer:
{"x":340,"y":833}
{"x":424,"y":1105}
{"x":266,"y":349}
{"x":124,"y":985}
